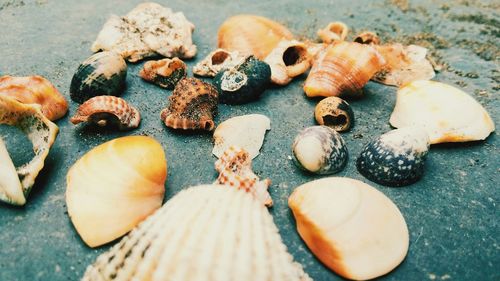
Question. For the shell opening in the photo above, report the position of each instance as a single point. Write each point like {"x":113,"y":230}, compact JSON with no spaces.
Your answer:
{"x":335,"y":121}
{"x":292,"y":55}
{"x":219,"y":58}
{"x":208,"y":125}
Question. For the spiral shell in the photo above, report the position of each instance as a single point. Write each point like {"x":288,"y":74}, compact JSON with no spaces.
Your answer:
{"x":164,"y":73}
{"x":192,"y":105}
{"x":335,"y":113}
{"x":204,"y":233}
{"x":367,"y":37}
{"x":343,"y":70}
{"x":333,"y":32}
{"x":115,"y":186}
{"x":103,"y":110}
{"x":288,"y":60}
{"x":251,"y":35}
{"x":217,"y":60}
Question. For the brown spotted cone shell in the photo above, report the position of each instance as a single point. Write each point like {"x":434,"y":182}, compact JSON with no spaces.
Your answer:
{"x":192,"y":105}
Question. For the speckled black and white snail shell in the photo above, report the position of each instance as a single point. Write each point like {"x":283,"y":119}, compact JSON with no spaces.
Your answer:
{"x":102,"y":74}
{"x":335,"y":113}
{"x":395,"y":158}
{"x":320,"y":150}
{"x":244,"y":82}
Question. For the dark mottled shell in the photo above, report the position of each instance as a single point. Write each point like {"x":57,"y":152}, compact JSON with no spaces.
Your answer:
{"x":244,"y":82}
{"x":102,"y":74}
{"x":396,"y":158}
{"x":165,"y":73}
{"x":192,"y":105}
{"x":335,"y":113}
{"x":320,"y":150}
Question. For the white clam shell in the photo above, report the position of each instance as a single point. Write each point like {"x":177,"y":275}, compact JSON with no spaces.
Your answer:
{"x":10,"y":186}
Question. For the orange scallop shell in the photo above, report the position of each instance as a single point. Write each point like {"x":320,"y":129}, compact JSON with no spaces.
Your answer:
{"x":251,"y":35}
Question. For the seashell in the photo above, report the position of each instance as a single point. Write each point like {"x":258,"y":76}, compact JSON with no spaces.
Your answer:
{"x":11,"y":190}
{"x":353,"y":228}
{"x":164,"y":73}
{"x":244,"y":82}
{"x":216,"y":61}
{"x":101,"y":74}
{"x":320,"y":150}
{"x":333,"y":32}
{"x":246,"y":131}
{"x":105,"y":110}
{"x":367,"y":37}
{"x":446,"y":113}
{"x":342,"y":70}
{"x":251,"y":35}
{"x":396,"y":158}
{"x":335,"y":113}
{"x":204,"y":233}
{"x":35,"y":89}
{"x":192,"y":105}
{"x":235,"y":170}
{"x":115,"y":186}
{"x":42,"y":134}
{"x":289,"y":59}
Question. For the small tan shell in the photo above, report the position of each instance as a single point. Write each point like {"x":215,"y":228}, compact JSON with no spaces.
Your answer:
{"x":216,"y":61}
{"x":333,"y":32}
{"x":164,"y":73}
{"x":367,"y":37}
{"x":335,"y":113}
{"x":289,"y":59}
{"x":103,"y":110}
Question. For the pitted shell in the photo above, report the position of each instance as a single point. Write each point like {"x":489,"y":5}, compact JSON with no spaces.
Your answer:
{"x":288,"y":60}
{"x":333,"y":32}
{"x":335,"y":113}
{"x":164,"y":73}
{"x":217,"y":60}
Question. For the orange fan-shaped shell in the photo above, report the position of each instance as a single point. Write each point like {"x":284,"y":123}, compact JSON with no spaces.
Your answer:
{"x":251,"y":35}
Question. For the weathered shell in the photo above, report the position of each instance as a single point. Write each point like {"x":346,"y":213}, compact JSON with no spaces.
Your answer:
{"x":246,"y":131}
{"x":333,"y":32}
{"x":192,"y":105}
{"x":367,"y":37}
{"x":115,"y":186}
{"x":445,"y":112}
{"x":396,"y":158}
{"x":106,"y":110}
{"x":101,"y":74}
{"x":251,"y":35}
{"x":35,"y":89}
{"x":335,"y":113}
{"x":216,"y":61}
{"x":164,"y":73}
{"x":244,"y":82}
{"x":288,"y":60}
{"x":235,"y":170}
{"x":11,"y":190}
{"x":42,"y":134}
{"x":204,"y":233}
{"x":342,"y":70}
{"x":320,"y":150}
{"x":351,"y":227}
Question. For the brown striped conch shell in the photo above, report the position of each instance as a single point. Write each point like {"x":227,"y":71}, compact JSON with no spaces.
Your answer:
{"x":446,"y":113}
{"x":367,"y":37}
{"x":251,"y":35}
{"x":42,"y":134}
{"x":216,"y":61}
{"x":108,"y":110}
{"x":288,"y":60}
{"x":235,"y":170}
{"x":204,"y":233}
{"x":353,"y":228}
{"x":35,"y":89}
{"x":343,"y":70}
{"x":333,"y":32}
{"x":115,"y":186}
{"x":192,"y":106}
{"x":164,"y":73}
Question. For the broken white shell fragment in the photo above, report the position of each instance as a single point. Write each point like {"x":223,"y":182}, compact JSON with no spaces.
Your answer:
{"x":10,"y":186}
{"x":445,"y":112}
{"x":216,"y":61}
{"x":288,"y":60}
{"x":351,"y":227}
{"x":246,"y":131}
{"x":204,"y":233}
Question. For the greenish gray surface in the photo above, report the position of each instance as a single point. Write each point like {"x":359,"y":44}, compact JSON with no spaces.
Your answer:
{"x":452,"y":213}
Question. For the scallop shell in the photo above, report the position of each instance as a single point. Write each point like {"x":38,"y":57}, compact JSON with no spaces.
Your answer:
{"x":217,"y":60}
{"x":235,"y":170}
{"x":251,"y":35}
{"x":101,"y":74}
{"x":342,"y":70}
{"x":446,"y":113}
{"x":288,"y":60}
{"x":367,"y":37}
{"x":35,"y":89}
{"x":192,"y":105}
{"x":165,"y":73}
{"x":105,"y":110}
{"x":335,"y":113}
{"x":351,"y":227}
{"x":396,"y":158}
{"x":320,"y":150}
{"x":334,"y":32}
{"x":204,"y":233}
{"x":115,"y":186}
{"x":246,"y":131}
{"x":42,"y":134}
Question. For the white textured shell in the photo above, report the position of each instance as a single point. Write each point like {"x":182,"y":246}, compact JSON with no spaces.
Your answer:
{"x":445,"y":112}
{"x":289,"y":59}
{"x":246,"y":131}
{"x":216,"y":61}
{"x":204,"y":233}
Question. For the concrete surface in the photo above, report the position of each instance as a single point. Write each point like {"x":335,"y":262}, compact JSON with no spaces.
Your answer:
{"x":452,"y":213}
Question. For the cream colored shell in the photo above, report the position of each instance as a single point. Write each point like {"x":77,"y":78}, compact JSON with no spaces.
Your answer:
{"x":289,"y":59}
{"x":10,"y":186}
